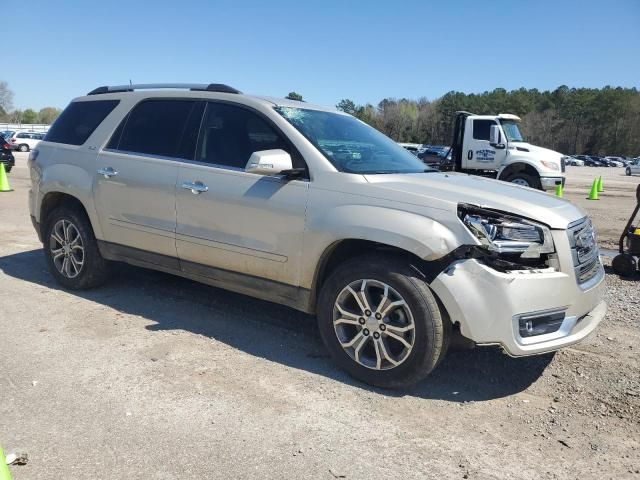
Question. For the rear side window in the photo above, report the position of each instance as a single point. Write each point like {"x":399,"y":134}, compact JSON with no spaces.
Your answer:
{"x":79,"y":120}
{"x":481,"y":129}
{"x":157,"y":127}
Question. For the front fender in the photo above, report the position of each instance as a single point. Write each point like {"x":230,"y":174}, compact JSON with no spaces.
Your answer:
{"x":414,"y":233}
{"x":71,"y":180}
{"x":516,"y":159}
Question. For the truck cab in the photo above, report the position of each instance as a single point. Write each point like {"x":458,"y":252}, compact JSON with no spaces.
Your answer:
{"x":492,"y":146}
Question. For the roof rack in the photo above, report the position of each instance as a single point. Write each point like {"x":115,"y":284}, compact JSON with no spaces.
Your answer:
{"x":198,"y":87}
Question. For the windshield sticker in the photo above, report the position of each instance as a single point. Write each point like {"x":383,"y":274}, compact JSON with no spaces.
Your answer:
{"x":485,"y":155}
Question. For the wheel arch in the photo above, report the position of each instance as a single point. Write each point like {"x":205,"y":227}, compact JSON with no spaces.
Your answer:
{"x":517,"y":167}
{"x":351,"y":230}
{"x":55,"y":199}
{"x":65,"y":182}
{"x":346,"y":249}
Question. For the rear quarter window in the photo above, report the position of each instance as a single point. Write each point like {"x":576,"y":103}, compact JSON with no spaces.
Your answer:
{"x":159,"y":127}
{"x":79,"y":120}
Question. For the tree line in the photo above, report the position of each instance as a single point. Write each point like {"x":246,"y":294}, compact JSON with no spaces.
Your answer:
{"x":8,"y":115}
{"x":598,"y":121}
{"x":603,"y":121}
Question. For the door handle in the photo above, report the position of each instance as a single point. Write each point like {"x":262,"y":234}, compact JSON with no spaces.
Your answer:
{"x":195,"y":187}
{"x":107,"y":172}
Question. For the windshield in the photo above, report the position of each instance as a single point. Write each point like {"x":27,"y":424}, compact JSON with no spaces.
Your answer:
{"x":511,"y":130}
{"x":351,"y":145}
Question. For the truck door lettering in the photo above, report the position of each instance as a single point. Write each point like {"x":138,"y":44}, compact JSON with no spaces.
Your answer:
{"x":486,"y":155}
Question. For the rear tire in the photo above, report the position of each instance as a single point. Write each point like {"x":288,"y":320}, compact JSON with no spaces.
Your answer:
{"x":71,"y":250}
{"x":525,"y":180}
{"x":628,"y":172}
{"x":379,"y":358}
{"x":23,"y":148}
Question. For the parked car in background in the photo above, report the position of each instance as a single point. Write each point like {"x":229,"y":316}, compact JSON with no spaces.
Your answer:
{"x":615,"y":161}
{"x":634,"y":167}
{"x":592,"y":160}
{"x":576,"y":162}
{"x":434,"y":156}
{"x":6,"y":156}
{"x":411,"y":147}
{"x":25,"y":141}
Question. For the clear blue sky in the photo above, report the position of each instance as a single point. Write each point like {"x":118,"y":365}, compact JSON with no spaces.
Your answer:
{"x":325,"y":50}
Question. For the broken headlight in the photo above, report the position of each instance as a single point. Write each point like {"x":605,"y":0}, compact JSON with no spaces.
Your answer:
{"x":506,"y":234}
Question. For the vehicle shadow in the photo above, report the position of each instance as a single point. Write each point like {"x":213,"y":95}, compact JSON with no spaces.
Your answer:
{"x":277,"y":333}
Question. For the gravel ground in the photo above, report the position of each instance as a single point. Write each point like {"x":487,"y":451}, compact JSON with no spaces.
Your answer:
{"x":157,"y":377}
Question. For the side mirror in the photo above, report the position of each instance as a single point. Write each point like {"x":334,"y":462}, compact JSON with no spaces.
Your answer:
{"x":269,"y":162}
{"x":495,"y":139}
{"x":494,"y":135}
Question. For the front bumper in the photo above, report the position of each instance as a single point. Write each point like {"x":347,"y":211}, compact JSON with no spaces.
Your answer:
{"x":550,"y":183}
{"x":489,"y":305}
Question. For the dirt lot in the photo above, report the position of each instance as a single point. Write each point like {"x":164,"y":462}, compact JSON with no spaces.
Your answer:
{"x":157,"y":377}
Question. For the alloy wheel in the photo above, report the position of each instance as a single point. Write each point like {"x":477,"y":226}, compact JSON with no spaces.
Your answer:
{"x":374,"y":324}
{"x":66,"y":248}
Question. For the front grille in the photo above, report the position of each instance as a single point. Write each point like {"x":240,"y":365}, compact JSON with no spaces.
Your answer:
{"x":584,"y":250}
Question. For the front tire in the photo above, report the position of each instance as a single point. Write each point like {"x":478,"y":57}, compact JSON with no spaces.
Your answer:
{"x":381,"y":323}
{"x":628,"y":172}
{"x":71,"y":250}
{"x":525,"y":180}
{"x":23,"y":148}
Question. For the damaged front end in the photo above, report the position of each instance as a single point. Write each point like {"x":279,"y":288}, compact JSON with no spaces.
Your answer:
{"x":507,"y":243}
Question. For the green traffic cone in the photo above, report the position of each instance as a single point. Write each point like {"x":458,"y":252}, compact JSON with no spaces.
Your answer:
{"x":559,"y":192}
{"x":4,"y":181}
{"x":593,"y":194}
{"x":600,"y":185}
{"x":5,"y":474}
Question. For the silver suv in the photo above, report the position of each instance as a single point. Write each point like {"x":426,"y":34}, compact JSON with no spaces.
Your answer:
{"x":309,"y":207}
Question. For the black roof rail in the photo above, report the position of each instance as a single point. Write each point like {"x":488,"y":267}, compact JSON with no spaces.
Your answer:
{"x":219,"y":87}
{"x":196,"y":87}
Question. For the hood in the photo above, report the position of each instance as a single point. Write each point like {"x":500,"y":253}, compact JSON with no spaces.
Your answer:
{"x":540,"y":153}
{"x":447,"y":190}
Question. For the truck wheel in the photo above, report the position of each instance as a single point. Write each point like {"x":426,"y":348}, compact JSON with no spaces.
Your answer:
{"x":381,"y":323}
{"x":524,"y":179}
{"x":71,"y":250}
{"x":23,"y":148}
{"x":628,"y":172}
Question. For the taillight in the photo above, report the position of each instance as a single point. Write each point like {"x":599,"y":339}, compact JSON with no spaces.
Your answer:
{"x":6,"y":146}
